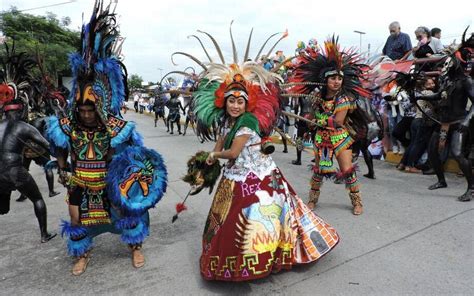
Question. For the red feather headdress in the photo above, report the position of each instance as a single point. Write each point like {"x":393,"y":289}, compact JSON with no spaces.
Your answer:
{"x":247,"y":79}
{"x":311,"y":72}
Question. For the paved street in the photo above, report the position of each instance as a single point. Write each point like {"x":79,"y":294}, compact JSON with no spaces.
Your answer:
{"x":408,"y":241}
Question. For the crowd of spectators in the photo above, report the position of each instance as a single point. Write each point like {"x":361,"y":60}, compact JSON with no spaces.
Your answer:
{"x":407,"y":128}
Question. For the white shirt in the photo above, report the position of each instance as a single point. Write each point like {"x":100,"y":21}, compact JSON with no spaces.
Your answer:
{"x":249,"y":160}
{"x":436,"y":45}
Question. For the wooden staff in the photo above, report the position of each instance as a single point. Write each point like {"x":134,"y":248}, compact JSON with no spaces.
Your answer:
{"x":181,"y":206}
{"x":289,"y":114}
{"x":429,"y":60}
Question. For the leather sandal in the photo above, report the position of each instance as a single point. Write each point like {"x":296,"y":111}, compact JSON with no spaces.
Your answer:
{"x":138,"y":259}
{"x":81,"y":264}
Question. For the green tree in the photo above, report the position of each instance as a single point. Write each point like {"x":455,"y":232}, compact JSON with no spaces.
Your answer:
{"x":135,"y":82}
{"x":43,"y":35}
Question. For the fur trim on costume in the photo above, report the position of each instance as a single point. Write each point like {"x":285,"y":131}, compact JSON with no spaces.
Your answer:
{"x":72,"y":231}
{"x":127,"y":222}
{"x":78,"y":248}
{"x":137,"y":180}
{"x":124,"y":135}
{"x":134,"y":231}
{"x":55,"y":135}
{"x":79,"y":242}
{"x":137,"y":138}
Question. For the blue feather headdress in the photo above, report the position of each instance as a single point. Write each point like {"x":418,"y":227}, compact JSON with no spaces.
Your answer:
{"x":99,"y":76}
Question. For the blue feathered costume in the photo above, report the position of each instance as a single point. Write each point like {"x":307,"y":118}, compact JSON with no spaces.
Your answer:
{"x":112,"y":195}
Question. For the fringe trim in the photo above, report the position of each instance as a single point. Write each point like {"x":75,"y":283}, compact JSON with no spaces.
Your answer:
{"x":79,"y":242}
{"x":135,"y":235}
{"x":343,"y":146}
{"x":344,"y":106}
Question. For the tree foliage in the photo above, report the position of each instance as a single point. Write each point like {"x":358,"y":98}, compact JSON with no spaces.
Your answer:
{"x":43,"y":35}
{"x":135,"y":82}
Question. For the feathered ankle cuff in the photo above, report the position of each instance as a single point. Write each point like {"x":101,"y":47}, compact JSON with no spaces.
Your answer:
{"x":134,"y":231}
{"x":79,"y":242}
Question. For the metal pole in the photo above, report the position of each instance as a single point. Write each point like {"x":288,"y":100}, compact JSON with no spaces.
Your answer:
{"x":360,"y":39}
{"x":161,"y":73}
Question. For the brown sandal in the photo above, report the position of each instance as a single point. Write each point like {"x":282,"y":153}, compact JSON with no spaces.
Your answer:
{"x":138,"y":259}
{"x":81,"y":264}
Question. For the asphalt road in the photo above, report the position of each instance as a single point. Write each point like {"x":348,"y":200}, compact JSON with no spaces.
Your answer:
{"x":408,"y":241}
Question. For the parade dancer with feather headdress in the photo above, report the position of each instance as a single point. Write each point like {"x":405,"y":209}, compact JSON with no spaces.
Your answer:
{"x":17,"y":135}
{"x":331,"y":79}
{"x":45,"y":100}
{"x":115,"y":180}
{"x":256,"y":224}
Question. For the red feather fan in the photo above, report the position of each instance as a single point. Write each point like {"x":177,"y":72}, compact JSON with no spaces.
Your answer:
{"x":267,"y":107}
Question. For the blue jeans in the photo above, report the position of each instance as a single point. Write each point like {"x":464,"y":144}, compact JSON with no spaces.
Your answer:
{"x":421,"y":141}
{"x":392,"y":122}
{"x":408,"y":156}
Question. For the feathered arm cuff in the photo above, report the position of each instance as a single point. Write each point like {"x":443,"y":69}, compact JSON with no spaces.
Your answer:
{"x":127,"y":133}
{"x":57,"y":133}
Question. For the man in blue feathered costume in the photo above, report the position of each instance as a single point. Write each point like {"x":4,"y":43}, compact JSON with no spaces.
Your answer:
{"x":114,"y":180}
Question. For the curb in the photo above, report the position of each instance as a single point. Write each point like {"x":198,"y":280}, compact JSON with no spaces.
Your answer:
{"x":450,"y":166}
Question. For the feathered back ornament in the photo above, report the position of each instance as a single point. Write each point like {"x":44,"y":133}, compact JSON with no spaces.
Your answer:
{"x":99,"y":76}
{"x":200,"y":175}
{"x":312,"y":71}
{"x":258,"y":86}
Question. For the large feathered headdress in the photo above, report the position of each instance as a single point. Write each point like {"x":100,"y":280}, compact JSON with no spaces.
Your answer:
{"x":16,"y":77}
{"x":313,"y":71}
{"x":464,"y":52}
{"x":99,"y":76}
{"x":246,"y":79}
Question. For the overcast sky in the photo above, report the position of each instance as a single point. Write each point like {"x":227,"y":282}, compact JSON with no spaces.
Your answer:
{"x":155,"y":29}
